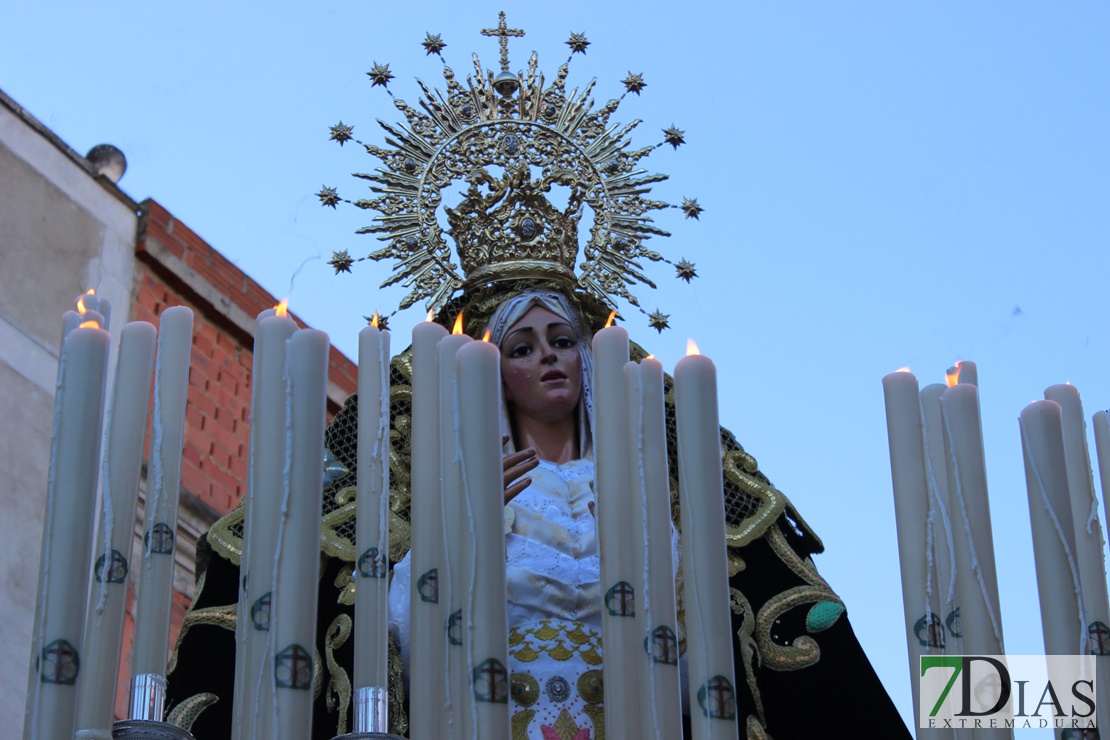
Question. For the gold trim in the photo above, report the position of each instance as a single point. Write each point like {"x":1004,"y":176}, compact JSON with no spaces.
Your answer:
{"x":222,"y":540}
{"x":186,"y":713}
{"x":749,"y":650}
{"x":339,"y":685}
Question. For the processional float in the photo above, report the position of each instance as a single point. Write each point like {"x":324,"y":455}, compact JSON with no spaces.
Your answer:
{"x":489,"y":133}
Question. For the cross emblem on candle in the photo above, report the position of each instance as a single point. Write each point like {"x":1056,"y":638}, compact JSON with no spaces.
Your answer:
{"x":1098,"y":639}
{"x":372,"y":564}
{"x":717,"y":699}
{"x":60,"y":663}
{"x":620,"y":600}
{"x":260,"y":612}
{"x":662,"y":645}
{"x":428,"y":586}
{"x":491,"y":683}
{"x":159,"y":540}
{"x":954,"y":624}
{"x":929,"y":631}
{"x":454,"y":628}
{"x":293,"y":668}
{"x":116,"y":570}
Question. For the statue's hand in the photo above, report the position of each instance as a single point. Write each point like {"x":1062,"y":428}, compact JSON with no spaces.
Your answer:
{"x":515,"y":465}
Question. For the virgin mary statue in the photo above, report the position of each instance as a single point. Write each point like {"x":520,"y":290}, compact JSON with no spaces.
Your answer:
{"x":515,"y":144}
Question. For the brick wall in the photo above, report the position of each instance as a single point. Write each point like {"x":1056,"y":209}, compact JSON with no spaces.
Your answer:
{"x":175,"y":267}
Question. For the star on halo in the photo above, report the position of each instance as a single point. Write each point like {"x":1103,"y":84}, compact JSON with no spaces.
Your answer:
{"x":659,"y":321}
{"x":634,"y":83}
{"x":674,"y":136}
{"x":341,"y":133}
{"x":380,"y":75}
{"x":383,"y":322}
{"x":578,"y":43}
{"x":341,"y":261}
{"x":432,"y":43}
{"x":685,"y":270}
{"x":691,"y":208}
{"x":328,"y":196}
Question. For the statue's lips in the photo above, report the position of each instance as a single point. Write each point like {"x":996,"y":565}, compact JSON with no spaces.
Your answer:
{"x":553,"y":376}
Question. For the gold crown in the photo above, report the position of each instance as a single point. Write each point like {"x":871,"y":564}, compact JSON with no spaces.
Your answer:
{"x":520,"y":147}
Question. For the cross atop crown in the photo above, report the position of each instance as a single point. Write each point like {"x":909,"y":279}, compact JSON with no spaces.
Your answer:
{"x":503,"y":32}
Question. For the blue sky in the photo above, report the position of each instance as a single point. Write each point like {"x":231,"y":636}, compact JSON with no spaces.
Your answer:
{"x":885,"y":184}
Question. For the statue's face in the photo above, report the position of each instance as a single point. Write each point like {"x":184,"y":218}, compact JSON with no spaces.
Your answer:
{"x":541,"y":366}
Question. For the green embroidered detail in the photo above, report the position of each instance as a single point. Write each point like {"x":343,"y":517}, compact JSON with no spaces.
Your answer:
{"x":823,"y":615}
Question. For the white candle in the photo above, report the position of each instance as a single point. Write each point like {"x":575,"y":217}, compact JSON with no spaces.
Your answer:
{"x":936,"y":471}
{"x":701,"y":489}
{"x":67,"y":536}
{"x":479,"y":441}
{"x":101,"y":308}
{"x":1101,"y":421}
{"x":372,"y":512}
{"x":428,"y":612}
{"x":660,"y":697}
{"x":171,"y":383}
{"x":967,"y":373}
{"x":976,"y":580}
{"x":1085,"y":525}
{"x":908,"y":474}
{"x":296,"y":561}
{"x":456,"y":534}
{"x":127,"y":421}
{"x":614,"y":502}
{"x":254,"y":693}
{"x":1046,"y":478}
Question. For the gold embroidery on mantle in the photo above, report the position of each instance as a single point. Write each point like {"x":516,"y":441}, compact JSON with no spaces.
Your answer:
{"x":740,"y":468}
{"x":749,"y":651}
{"x":345,"y":582}
{"x":398,"y":719}
{"x":186,"y":712}
{"x":803,"y":650}
{"x":339,"y":685}
{"x":223,"y":540}
{"x":755,"y":730}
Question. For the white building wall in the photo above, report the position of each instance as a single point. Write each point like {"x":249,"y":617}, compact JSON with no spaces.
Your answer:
{"x":62,"y":231}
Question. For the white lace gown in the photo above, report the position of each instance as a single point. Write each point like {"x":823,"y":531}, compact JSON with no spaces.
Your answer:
{"x":554,"y":606}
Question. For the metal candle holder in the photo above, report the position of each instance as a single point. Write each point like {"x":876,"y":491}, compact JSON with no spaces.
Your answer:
{"x":371,"y":715}
{"x":147,"y":702}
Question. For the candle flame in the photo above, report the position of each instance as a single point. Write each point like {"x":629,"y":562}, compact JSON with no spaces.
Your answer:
{"x":431,"y":315}
{"x":905,"y":369}
{"x":486,"y":336}
{"x":952,"y":375}
{"x":650,"y":357}
{"x":609,"y":321}
{"x":282,"y":308}
{"x":691,"y":348}
{"x":81,"y":305}
{"x":90,"y":324}
{"x":458,"y":327}
{"x":374,"y":321}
